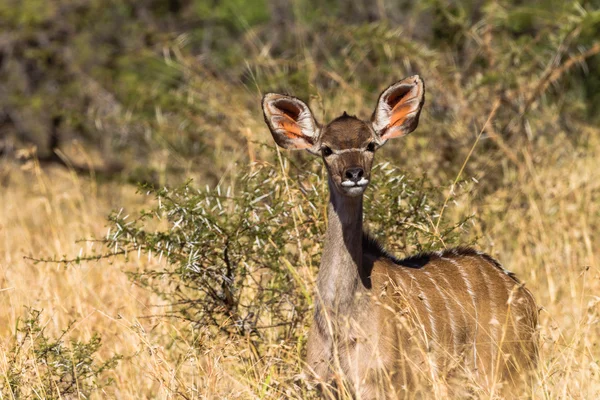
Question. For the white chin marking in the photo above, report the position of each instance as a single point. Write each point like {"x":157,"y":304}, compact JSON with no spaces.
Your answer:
{"x":354,"y":190}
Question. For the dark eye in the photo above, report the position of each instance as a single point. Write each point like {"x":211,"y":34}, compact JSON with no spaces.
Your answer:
{"x":326,"y":151}
{"x":371,"y":147}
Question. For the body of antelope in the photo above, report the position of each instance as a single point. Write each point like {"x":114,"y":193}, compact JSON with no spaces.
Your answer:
{"x":383,"y":324}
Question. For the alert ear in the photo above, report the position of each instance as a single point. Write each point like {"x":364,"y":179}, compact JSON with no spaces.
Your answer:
{"x":291,"y":122}
{"x":398,"y":108}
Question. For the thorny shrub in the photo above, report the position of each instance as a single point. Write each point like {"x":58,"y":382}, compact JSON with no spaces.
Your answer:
{"x":41,"y":366}
{"x":242,"y":259}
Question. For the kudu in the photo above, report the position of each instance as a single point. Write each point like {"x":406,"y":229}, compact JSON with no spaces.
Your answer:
{"x":381,"y":323}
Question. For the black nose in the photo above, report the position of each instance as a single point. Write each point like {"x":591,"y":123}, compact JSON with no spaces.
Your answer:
{"x":354,"y":174}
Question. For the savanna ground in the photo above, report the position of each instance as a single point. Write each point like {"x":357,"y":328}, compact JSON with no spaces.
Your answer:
{"x":208,"y":295}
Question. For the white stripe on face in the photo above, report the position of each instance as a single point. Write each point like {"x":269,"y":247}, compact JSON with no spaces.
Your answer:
{"x":342,"y":151}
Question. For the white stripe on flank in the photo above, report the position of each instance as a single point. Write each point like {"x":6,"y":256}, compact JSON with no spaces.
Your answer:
{"x":460,"y":306}
{"x":434,"y":335}
{"x":493,"y":323}
{"x":448,"y":308}
{"x":486,"y":281}
{"x":426,"y":303}
{"x":465,"y":277}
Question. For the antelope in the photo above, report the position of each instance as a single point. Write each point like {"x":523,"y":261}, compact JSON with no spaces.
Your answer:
{"x":381,"y":324}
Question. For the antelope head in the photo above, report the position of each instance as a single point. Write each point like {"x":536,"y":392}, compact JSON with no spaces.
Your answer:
{"x":347,"y":144}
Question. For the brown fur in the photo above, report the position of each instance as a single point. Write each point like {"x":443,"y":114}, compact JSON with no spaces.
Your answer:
{"x":385,"y":327}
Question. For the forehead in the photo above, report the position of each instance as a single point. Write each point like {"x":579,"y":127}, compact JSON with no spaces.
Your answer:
{"x":346,"y":132}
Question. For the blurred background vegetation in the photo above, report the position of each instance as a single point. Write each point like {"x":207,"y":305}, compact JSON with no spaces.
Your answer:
{"x":97,"y":96}
{"x":156,"y":90}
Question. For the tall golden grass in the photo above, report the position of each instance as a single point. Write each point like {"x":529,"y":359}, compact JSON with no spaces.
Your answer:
{"x":536,"y":202}
{"x":541,"y":221}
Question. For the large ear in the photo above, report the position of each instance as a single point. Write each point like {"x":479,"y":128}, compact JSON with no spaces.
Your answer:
{"x":398,"y":108}
{"x":291,"y":122}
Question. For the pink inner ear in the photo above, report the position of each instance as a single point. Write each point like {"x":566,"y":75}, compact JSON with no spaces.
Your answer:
{"x":287,"y":119}
{"x":399,"y":114}
{"x":404,"y":102}
{"x":290,"y":121}
{"x":288,"y":125}
{"x":398,"y":108}
{"x":291,"y":110}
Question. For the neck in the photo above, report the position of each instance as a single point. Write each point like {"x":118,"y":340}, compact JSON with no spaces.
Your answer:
{"x":341,"y":273}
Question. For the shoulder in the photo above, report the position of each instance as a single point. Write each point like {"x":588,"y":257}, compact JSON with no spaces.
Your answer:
{"x":383,"y":259}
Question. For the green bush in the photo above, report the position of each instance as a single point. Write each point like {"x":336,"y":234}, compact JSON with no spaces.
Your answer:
{"x":242,"y":259}
{"x":41,"y":366}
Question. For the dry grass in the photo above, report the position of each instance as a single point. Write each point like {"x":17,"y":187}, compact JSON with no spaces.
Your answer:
{"x":540,"y":217}
{"x":536,"y":206}
{"x":542,"y":223}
